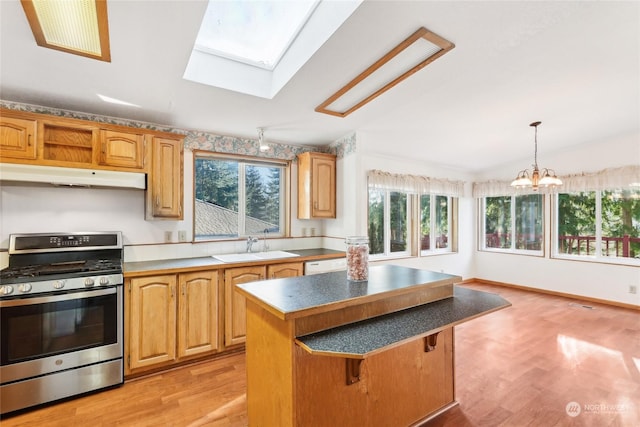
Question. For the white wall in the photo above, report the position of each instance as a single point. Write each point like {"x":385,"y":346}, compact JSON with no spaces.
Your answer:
{"x":594,"y":280}
{"x":460,"y":263}
{"x":39,"y":209}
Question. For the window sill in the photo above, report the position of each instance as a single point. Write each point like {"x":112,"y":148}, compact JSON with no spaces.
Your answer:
{"x":374,"y":258}
{"x":524,"y":252}
{"x":628,"y":262}
{"x":427,"y":254}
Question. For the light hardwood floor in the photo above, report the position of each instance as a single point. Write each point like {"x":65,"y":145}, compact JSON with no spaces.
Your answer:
{"x":521,"y":366}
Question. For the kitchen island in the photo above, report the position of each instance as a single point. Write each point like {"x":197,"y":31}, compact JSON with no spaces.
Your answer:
{"x":324,"y":351}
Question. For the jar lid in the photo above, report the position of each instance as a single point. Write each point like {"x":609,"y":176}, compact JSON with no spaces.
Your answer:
{"x":357,"y":240}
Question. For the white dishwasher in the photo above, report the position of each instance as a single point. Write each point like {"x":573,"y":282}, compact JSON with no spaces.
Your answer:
{"x":324,"y":266}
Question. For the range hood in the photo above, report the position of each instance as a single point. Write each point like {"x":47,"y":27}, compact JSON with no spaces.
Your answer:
{"x":72,"y":177}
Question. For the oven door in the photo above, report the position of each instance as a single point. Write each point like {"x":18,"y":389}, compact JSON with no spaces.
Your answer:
{"x":44,"y":334}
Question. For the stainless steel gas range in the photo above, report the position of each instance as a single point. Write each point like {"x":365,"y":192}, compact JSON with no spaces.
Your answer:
{"x":61,"y":317}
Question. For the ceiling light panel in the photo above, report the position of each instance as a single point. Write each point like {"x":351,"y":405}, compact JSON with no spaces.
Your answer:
{"x":74,"y":26}
{"x":410,"y":56}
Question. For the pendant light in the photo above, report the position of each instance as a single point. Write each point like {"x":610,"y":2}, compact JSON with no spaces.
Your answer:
{"x":525,"y":179}
{"x":261,"y":142}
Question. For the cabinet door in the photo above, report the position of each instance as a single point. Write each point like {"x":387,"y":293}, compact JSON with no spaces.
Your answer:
{"x":316,"y":185}
{"x":164,"y":197}
{"x":288,"y":269}
{"x":121,"y":149}
{"x":198,"y":308}
{"x":323,"y":187}
{"x":17,"y":138}
{"x":152,"y":320}
{"x":235,"y":307}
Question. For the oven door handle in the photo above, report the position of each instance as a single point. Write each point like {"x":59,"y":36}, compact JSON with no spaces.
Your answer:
{"x":57,"y":298}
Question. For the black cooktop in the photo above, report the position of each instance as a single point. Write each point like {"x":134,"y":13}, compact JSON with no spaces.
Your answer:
{"x":63,"y":269}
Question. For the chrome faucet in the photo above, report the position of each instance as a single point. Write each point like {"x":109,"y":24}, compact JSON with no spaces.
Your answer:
{"x":264,"y":240}
{"x":250,"y":242}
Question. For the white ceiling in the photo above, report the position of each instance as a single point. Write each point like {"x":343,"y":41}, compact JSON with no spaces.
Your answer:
{"x":575,"y":66}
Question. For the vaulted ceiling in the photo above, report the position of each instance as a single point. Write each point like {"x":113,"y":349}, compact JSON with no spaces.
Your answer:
{"x":575,"y":66}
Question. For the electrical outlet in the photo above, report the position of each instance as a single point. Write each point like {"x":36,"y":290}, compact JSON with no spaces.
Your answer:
{"x":182,"y":236}
{"x":633,"y":289}
{"x":168,"y":236}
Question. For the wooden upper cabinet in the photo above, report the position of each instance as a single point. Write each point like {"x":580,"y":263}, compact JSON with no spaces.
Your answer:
{"x":67,"y":143}
{"x":166,"y":187}
{"x":17,"y":138}
{"x":48,"y":140}
{"x":316,"y":186}
{"x":121,"y":149}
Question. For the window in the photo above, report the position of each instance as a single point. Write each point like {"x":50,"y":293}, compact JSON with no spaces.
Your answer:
{"x":390,"y":216}
{"x":389,"y":222}
{"x":601,"y":225}
{"x":238,"y":197}
{"x":437,"y":219}
{"x":412,"y":214}
{"x":513,"y":223}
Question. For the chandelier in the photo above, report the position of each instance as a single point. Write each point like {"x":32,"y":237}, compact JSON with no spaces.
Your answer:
{"x":534,"y":179}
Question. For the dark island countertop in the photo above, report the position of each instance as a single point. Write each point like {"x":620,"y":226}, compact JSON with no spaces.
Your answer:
{"x":361,"y":339}
{"x":177,"y":265}
{"x":301,"y":296}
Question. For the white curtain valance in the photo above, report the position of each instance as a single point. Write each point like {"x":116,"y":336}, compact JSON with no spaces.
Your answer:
{"x":613,"y":178}
{"x":414,"y":183}
{"x":493,"y":189}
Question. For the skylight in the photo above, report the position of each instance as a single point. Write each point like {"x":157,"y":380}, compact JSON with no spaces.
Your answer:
{"x":254,"y":32}
{"x":256,"y":47}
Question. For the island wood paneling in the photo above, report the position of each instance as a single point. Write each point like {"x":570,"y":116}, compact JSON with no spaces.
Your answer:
{"x":397,"y":387}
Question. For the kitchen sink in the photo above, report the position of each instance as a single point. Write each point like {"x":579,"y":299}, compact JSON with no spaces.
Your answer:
{"x":274,"y":254}
{"x":236,"y":257}
{"x":253,"y":256}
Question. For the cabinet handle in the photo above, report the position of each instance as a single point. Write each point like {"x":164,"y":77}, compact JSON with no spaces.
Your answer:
{"x":184,"y":290}
{"x":157,"y":201}
{"x":173,"y":289}
{"x":29,"y":140}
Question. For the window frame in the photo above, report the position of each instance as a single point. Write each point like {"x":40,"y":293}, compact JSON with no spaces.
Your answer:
{"x":597,"y":257}
{"x":413,"y":247}
{"x":243,"y":162}
{"x":482,"y":240}
{"x":387,"y":254}
{"x":452,"y":211}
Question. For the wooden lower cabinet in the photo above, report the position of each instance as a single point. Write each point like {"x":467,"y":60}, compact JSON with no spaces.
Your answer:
{"x":174,"y":317}
{"x":198,"y":330}
{"x":171,"y":317}
{"x":235,"y":304}
{"x":235,"y":323}
{"x":287,"y":269}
